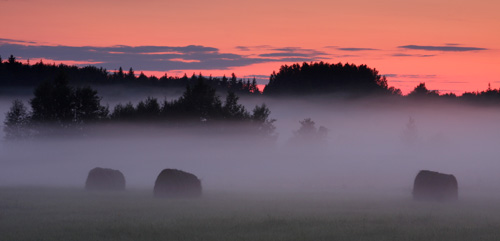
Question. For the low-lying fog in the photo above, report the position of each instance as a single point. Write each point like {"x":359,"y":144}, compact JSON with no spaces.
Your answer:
{"x":365,"y":148}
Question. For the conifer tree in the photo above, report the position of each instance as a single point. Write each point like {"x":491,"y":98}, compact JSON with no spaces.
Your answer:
{"x":17,"y":121}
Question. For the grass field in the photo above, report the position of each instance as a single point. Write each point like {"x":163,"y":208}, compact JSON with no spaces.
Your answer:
{"x":73,"y":214}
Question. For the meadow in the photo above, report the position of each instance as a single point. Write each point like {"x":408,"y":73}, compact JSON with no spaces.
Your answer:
{"x":355,"y":186}
{"x":50,"y":213}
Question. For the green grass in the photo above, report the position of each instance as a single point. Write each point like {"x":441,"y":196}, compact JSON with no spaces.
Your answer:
{"x":72,"y":214}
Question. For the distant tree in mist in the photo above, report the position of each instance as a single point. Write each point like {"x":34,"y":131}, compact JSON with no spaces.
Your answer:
{"x":148,"y":109}
{"x":124,"y":112}
{"x":410,"y":132}
{"x":17,"y":121}
{"x":308,"y":133}
{"x":260,"y":118}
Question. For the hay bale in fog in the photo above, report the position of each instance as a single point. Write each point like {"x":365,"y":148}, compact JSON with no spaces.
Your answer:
{"x":431,"y":185}
{"x":105,"y":179}
{"x":177,"y":183}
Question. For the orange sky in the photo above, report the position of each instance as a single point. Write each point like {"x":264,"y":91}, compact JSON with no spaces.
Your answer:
{"x":264,"y":26}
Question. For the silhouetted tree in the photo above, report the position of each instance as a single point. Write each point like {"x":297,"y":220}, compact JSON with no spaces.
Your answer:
{"x":193,"y":79}
{"x":449,"y":96}
{"x":120,"y":75}
{"x":232,"y":110}
{"x":309,"y":134}
{"x":422,"y":91}
{"x":239,"y":85}
{"x":124,"y":112}
{"x":63,"y":100}
{"x":12,"y":59}
{"x":88,"y":106}
{"x":143,"y":78}
{"x":184,"y":78}
{"x":260,"y":117}
{"x":199,"y":101}
{"x":53,"y":102}
{"x":43,"y":104}
{"x":395,"y":91}
{"x":253,"y":87}
{"x":224,"y":82}
{"x":148,"y":109}
{"x":131,"y":75}
{"x":233,"y":83}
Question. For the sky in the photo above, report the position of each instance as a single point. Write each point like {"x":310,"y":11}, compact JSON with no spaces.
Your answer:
{"x":452,"y":46}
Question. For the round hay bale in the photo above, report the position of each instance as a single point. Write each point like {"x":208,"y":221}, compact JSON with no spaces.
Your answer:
{"x":437,"y":186}
{"x":105,"y":179}
{"x":177,"y":183}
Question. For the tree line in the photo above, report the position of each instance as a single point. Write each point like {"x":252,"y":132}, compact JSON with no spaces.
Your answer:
{"x":292,"y":80}
{"x":356,"y":81}
{"x":57,"y":107}
{"x":486,"y":97}
{"x":15,"y":73}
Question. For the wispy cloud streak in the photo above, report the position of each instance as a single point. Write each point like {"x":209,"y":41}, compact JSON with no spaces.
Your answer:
{"x":446,"y":48}
{"x":356,"y":49}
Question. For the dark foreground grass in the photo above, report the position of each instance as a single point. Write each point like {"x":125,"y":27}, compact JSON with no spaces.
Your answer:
{"x":72,"y":214}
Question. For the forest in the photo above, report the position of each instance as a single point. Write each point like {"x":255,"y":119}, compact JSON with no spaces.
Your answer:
{"x":315,"y":78}
{"x":356,"y":81}
{"x":58,"y":106}
{"x":16,"y":74}
{"x":64,"y":98}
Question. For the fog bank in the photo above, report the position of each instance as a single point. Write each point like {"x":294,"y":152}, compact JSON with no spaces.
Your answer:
{"x":365,"y":149}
